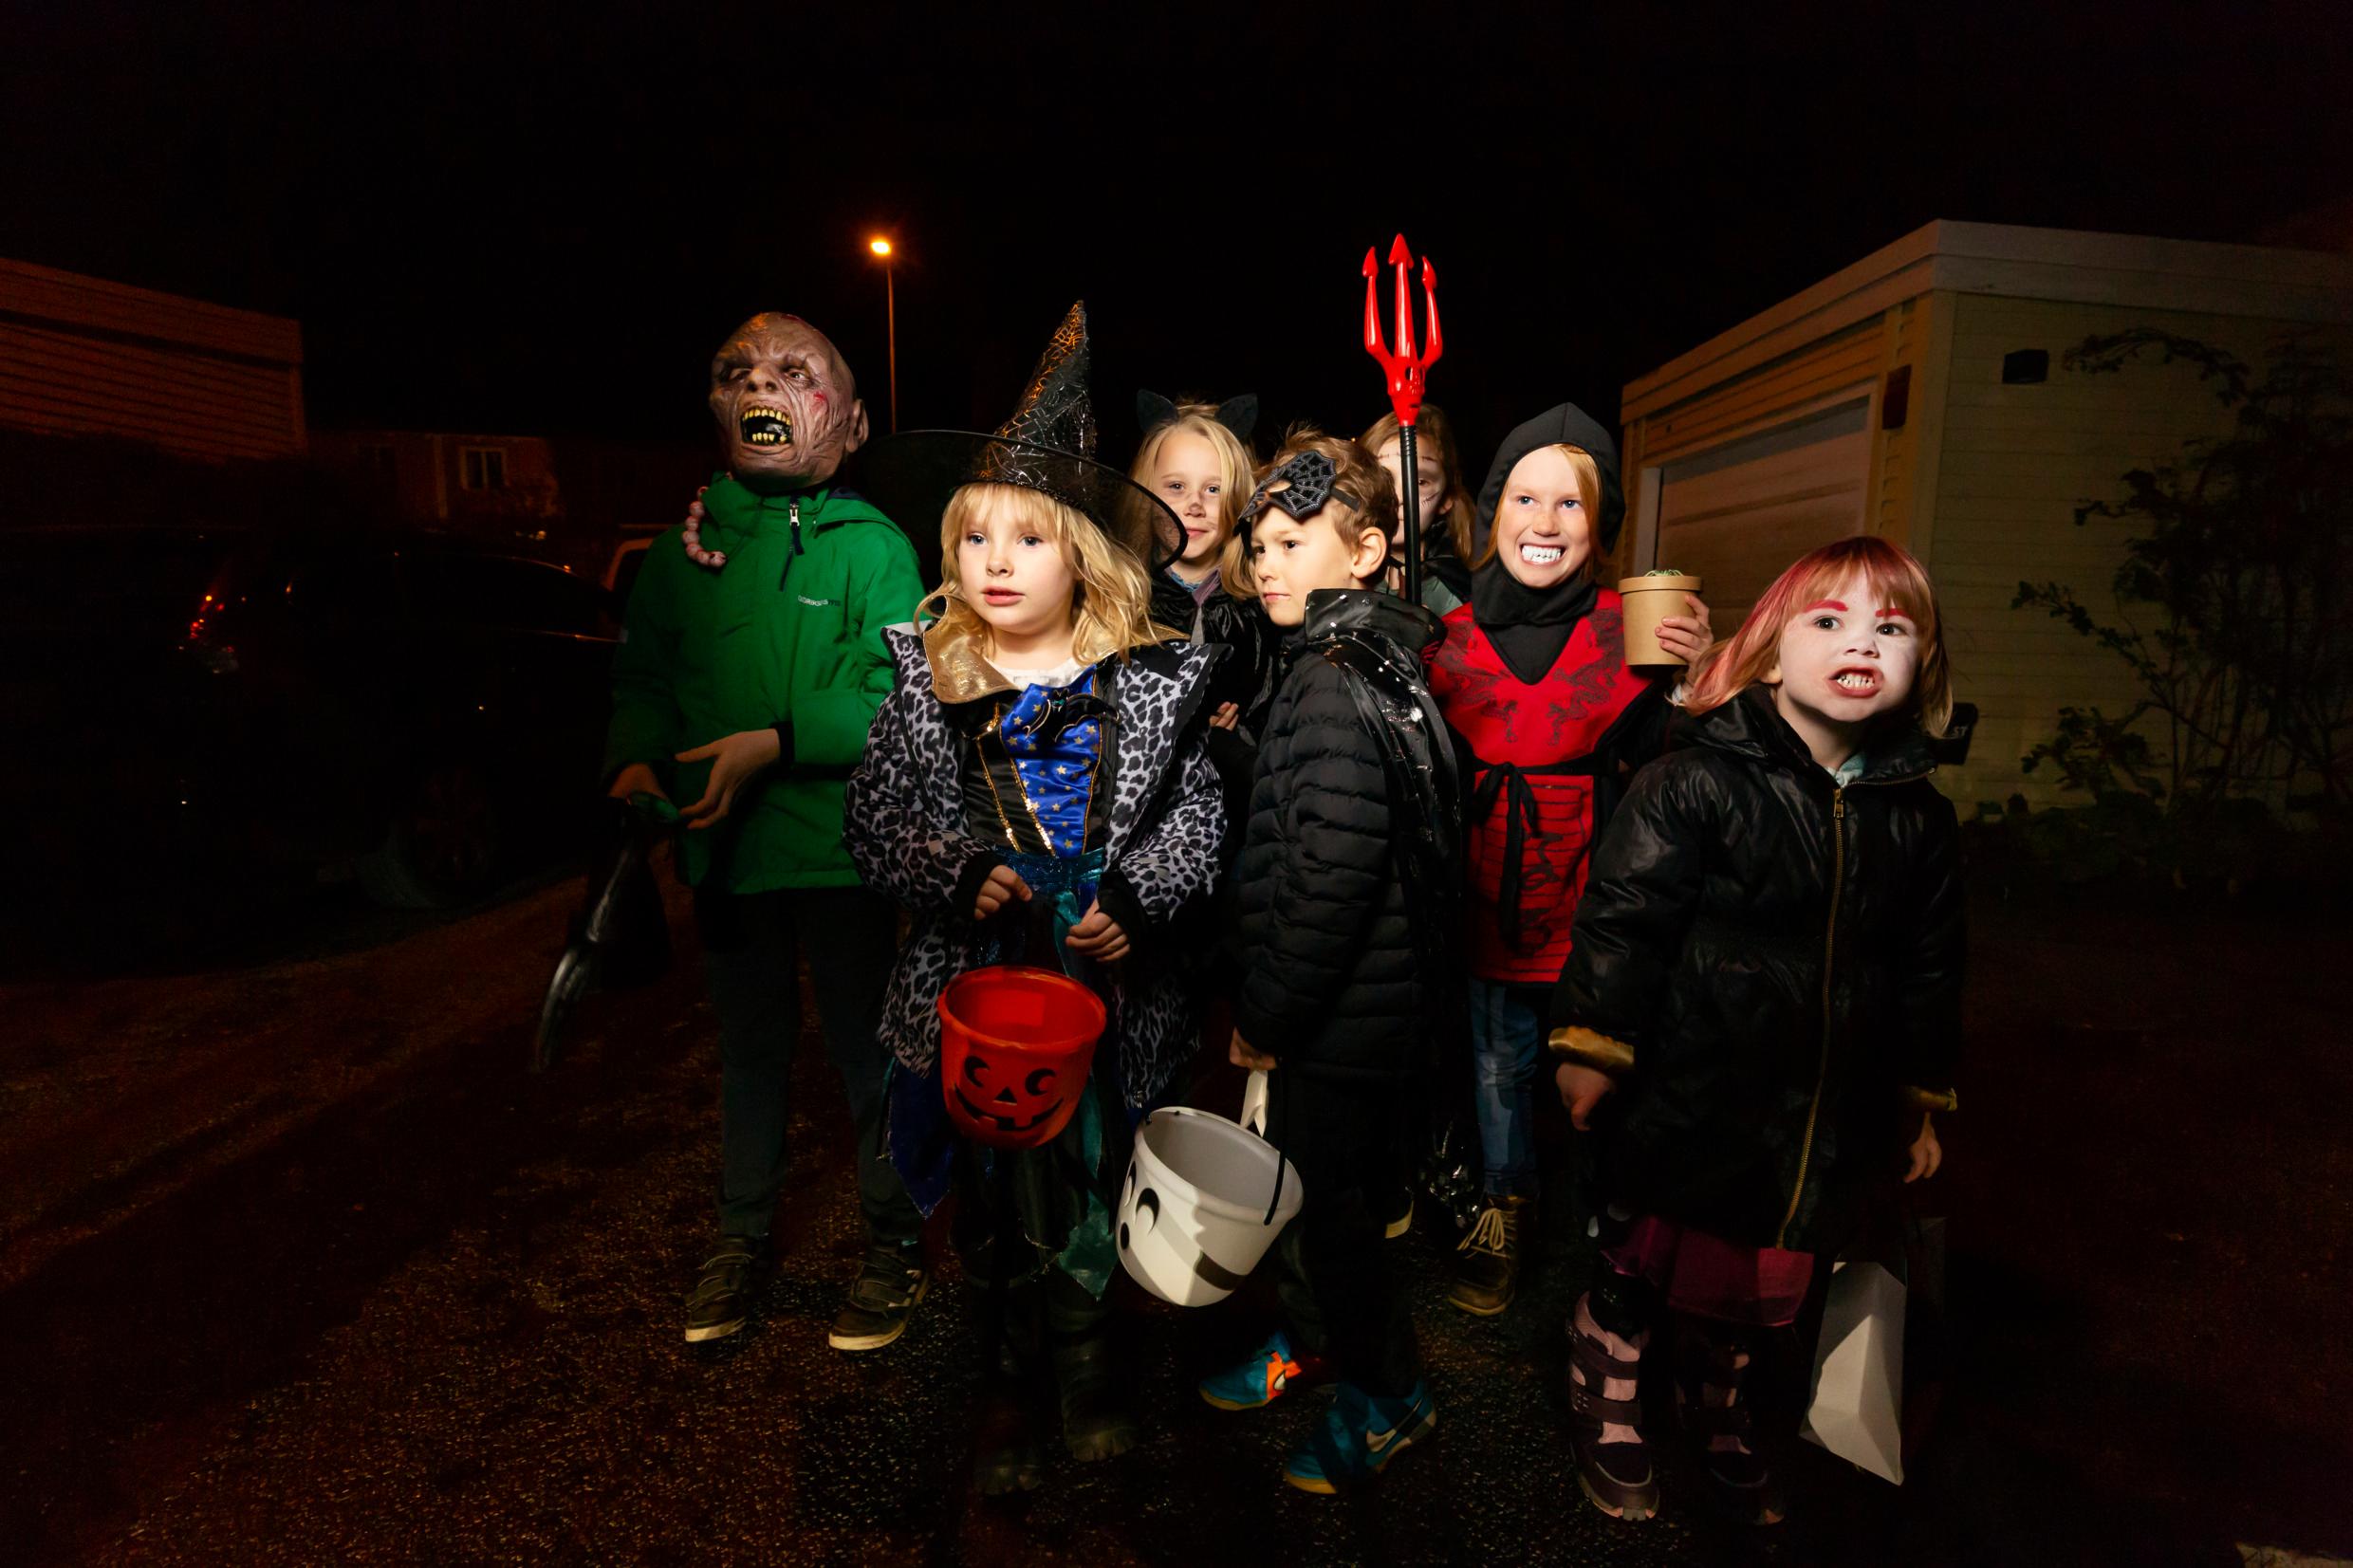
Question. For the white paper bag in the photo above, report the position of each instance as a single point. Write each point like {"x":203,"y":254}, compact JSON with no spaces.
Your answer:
{"x":1255,"y":1103}
{"x":1857,"y":1410}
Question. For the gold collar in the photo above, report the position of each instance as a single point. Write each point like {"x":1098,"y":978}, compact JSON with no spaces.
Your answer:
{"x":958,"y":671}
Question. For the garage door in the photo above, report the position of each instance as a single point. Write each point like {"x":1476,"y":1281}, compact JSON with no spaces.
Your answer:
{"x":1738,"y":513}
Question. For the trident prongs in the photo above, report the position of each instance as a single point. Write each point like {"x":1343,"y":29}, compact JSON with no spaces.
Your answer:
{"x":1406,"y":369}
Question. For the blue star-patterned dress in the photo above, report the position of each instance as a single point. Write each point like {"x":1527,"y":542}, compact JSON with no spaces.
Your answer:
{"x":1030,"y":792}
{"x":1054,"y":737}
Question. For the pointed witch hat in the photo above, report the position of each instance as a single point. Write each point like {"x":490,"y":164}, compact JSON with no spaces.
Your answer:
{"x":1046,"y":445}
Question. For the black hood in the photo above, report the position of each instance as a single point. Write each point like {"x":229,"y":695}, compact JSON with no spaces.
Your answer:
{"x":1565,"y":425}
{"x":1750,"y":726}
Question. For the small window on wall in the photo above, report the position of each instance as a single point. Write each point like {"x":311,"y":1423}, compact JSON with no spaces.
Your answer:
{"x":481,"y":468}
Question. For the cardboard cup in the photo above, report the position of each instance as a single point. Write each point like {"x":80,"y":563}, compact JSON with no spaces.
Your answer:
{"x":1649,"y":601}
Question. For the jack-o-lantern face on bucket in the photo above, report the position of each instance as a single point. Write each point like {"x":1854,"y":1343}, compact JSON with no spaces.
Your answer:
{"x":1007,"y":1096}
{"x":1016,"y":1045}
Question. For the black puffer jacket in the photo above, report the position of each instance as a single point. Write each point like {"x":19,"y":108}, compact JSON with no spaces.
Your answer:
{"x":1784,"y":957}
{"x":1344,"y":912}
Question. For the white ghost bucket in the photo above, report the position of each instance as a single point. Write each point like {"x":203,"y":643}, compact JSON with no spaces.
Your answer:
{"x":1194,"y":1215}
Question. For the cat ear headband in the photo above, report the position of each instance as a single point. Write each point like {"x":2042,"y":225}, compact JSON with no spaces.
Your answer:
{"x":1238,"y":414}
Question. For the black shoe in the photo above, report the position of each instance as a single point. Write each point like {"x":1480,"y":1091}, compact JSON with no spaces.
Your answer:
{"x":1487,"y":1265}
{"x":722,"y":1296}
{"x":1006,"y":1457}
{"x":889,"y":1283}
{"x":1096,"y":1421}
{"x":1719,"y":1360}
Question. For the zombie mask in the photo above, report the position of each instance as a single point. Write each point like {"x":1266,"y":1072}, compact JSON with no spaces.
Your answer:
{"x":786,"y":404}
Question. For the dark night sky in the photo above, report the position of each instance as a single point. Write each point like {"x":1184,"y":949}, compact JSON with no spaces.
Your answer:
{"x":500,"y":216}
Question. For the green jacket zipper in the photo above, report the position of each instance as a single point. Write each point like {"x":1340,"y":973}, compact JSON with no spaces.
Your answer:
{"x":1829,"y":951}
{"x":793,"y":512}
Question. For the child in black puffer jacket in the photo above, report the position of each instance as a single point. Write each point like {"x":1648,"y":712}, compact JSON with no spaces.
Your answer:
{"x":1345,"y":916}
{"x":1762,"y":999}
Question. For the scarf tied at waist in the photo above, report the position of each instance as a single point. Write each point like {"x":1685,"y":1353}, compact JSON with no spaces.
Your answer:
{"x":1523,"y":819}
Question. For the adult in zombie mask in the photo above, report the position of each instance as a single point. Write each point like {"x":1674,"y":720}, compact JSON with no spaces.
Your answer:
{"x":751,"y":667}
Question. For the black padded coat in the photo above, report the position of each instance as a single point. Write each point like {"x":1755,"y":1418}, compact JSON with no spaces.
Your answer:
{"x":1345,"y":917}
{"x":1784,"y":958}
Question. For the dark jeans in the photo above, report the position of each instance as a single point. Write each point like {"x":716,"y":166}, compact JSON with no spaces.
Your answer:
{"x":752,"y":944}
{"x":1331,"y":1265}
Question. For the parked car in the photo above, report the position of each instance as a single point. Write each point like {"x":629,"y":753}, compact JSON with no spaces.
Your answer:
{"x":420,"y":713}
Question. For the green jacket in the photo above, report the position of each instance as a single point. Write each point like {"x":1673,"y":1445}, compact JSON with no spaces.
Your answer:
{"x":790,"y":631}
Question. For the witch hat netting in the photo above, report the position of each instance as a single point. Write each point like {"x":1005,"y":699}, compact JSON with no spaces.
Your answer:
{"x":1056,"y":409}
{"x":1047,"y":444}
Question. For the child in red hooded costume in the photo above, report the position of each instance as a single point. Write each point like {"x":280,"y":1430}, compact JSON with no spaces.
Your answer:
{"x":1533,"y":680}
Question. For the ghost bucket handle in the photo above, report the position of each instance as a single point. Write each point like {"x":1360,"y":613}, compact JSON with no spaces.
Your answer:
{"x":1254,"y":1119}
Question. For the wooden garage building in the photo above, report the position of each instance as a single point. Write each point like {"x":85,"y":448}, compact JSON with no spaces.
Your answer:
{"x":1922,"y":393}
{"x":86,"y":357}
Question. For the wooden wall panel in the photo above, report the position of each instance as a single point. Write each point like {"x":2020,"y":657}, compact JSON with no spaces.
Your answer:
{"x":102,"y":305}
{"x":1739,"y":526}
{"x":86,"y":357}
{"x":54,"y":382}
{"x":1809,"y":376}
{"x":2017,"y":461}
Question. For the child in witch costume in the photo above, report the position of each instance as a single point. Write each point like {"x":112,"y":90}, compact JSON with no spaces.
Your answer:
{"x":1343,"y":937}
{"x":748,"y":687}
{"x":1035,"y":792}
{"x":1534,"y":678}
{"x":1762,"y":1001}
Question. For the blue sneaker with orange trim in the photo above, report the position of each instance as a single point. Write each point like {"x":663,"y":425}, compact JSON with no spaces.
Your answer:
{"x":1262,"y":1378}
{"x":1358,"y":1437}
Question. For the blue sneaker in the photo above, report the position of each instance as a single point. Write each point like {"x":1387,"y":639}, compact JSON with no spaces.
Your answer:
{"x":1263,"y":1378}
{"x":1358,"y":1436}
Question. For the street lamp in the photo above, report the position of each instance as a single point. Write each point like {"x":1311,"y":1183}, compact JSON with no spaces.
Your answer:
{"x":881,"y":248}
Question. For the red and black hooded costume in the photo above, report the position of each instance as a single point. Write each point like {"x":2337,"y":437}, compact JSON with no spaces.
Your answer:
{"x":1536,"y":689}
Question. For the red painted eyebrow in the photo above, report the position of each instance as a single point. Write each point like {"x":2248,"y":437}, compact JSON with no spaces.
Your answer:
{"x":1884,"y":614}
{"x":1824,"y":604}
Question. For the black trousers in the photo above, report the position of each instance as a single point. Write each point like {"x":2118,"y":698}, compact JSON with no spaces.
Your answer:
{"x":1332,"y":1273}
{"x":752,"y":946}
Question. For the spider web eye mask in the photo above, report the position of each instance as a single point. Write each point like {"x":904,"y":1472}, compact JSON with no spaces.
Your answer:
{"x":1300,"y":487}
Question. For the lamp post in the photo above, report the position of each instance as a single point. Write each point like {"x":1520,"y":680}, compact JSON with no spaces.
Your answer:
{"x":881,"y":248}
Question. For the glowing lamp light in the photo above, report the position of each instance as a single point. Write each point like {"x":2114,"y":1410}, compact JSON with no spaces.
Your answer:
{"x":880,"y":246}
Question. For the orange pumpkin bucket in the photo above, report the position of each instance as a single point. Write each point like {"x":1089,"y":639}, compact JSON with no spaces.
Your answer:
{"x":1015,"y":1046}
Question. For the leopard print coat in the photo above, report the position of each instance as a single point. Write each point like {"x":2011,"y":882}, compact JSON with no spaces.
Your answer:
{"x":903,"y":818}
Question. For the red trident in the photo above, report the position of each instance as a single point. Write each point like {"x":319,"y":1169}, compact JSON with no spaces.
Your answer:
{"x":1408,"y":374}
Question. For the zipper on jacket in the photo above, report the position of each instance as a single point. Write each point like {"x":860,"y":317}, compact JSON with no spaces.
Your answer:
{"x":792,"y":510}
{"x":1829,"y":951}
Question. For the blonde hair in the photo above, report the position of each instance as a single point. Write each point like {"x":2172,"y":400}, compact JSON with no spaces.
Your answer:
{"x":1895,"y":582}
{"x":1109,"y":602}
{"x":1234,"y":467}
{"x":1588,"y":472}
{"x":1458,"y":510}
